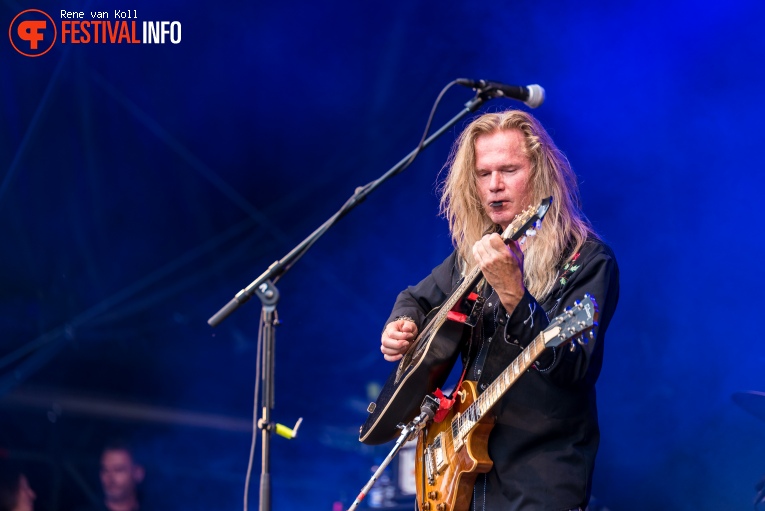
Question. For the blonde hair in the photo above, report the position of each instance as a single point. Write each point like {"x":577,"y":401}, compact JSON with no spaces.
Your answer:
{"x":564,"y":228}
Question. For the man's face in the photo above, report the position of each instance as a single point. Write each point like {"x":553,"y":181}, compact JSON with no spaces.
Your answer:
{"x":119,"y":475}
{"x":502,"y":175}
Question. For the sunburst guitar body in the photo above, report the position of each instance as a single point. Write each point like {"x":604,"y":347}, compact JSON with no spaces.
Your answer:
{"x":450,"y":454}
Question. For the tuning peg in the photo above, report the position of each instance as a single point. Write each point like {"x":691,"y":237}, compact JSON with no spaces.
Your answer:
{"x":582,"y":340}
{"x":591,"y":334}
{"x":572,"y":347}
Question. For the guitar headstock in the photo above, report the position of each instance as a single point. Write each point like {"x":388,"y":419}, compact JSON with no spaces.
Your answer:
{"x":577,"y":322}
{"x":527,"y":221}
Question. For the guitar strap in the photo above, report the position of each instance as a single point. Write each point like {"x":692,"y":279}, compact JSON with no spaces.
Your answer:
{"x":492,"y":351}
{"x":482,"y":353}
{"x":446,"y":403}
{"x":484,"y":332}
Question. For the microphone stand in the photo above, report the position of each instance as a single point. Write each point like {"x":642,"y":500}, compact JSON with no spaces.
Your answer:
{"x":269,"y":297}
{"x":427,"y":412}
{"x":264,"y":284}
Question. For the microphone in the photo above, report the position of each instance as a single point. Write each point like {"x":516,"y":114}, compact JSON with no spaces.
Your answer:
{"x":531,"y":95}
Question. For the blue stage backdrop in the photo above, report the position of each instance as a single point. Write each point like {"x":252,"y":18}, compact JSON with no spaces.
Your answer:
{"x":143,"y":185}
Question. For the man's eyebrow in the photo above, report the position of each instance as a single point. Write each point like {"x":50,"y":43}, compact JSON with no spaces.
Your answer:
{"x":510,"y":166}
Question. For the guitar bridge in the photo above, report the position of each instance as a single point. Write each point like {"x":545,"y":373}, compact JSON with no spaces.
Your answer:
{"x":435,"y":460}
{"x":430,"y":466}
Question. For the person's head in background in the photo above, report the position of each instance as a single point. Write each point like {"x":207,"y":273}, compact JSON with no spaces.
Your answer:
{"x":15,"y":492}
{"x":120,"y":477}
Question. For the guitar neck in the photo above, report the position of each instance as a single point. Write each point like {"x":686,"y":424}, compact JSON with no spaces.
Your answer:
{"x":508,"y":377}
{"x":514,"y":231}
{"x":468,"y":284}
{"x":465,"y":422}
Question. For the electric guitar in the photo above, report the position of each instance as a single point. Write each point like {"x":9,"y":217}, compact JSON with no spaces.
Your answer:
{"x":431,"y":357}
{"x":450,"y":454}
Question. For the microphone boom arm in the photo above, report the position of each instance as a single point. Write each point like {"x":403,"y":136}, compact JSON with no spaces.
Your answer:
{"x":278,"y":268}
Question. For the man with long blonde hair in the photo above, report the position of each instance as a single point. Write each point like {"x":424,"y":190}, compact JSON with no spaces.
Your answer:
{"x":546,"y":434}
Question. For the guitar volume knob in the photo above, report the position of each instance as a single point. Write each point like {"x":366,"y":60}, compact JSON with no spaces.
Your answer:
{"x":432,"y":495}
{"x":441,"y":507}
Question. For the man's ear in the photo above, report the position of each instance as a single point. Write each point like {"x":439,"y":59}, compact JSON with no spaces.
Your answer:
{"x":138,"y":474}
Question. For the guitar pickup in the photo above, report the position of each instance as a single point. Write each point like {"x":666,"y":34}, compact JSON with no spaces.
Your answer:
{"x":463,"y":315}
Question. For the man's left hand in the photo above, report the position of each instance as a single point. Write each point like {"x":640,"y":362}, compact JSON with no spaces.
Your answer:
{"x":502,"y":266}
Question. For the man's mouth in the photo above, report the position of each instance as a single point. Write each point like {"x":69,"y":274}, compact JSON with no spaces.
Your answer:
{"x":496,"y":204}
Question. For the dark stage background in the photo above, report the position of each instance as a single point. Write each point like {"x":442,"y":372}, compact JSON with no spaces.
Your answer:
{"x":142,"y":186}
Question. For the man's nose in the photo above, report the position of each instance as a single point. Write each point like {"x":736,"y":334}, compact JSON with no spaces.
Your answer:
{"x":495,"y":182}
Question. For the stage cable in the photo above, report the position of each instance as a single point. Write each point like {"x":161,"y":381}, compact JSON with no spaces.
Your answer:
{"x":253,"y":443}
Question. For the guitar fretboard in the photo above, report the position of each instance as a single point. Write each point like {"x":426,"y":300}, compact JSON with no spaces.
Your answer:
{"x":473,"y":277}
{"x":464,"y":423}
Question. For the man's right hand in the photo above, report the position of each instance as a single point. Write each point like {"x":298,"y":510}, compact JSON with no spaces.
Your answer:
{"x":397,"y":338}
